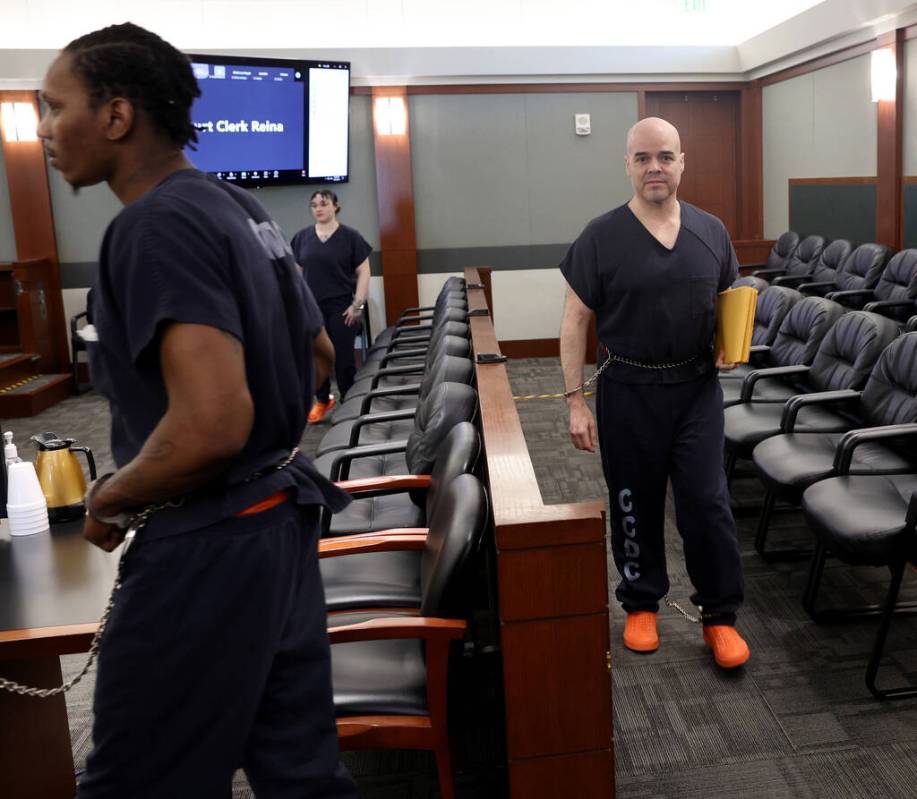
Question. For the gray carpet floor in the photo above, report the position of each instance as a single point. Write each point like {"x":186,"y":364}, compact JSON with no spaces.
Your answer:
{"x":796,"y":722}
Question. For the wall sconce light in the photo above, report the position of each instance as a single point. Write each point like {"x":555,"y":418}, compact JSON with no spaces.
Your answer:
{"x":391,"y":116}
{"x":884,"y":74}
{"x":19,"y":122}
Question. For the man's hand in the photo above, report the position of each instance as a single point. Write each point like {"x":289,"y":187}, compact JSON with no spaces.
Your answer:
{"x":104,"y":536}
{"x":583,"y":432}
{"x":722,"y":365}
{"x":352,"y":316}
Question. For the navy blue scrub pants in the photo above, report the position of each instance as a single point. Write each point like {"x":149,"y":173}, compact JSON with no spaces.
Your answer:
{"x":342,"y":337}
{"x":216,"y":657}
{"x":648,"y":434}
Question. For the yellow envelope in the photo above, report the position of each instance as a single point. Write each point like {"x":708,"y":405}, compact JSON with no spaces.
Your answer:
{"x":735,"y":319}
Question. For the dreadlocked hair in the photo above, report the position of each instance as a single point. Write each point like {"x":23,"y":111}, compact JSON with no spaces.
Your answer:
{"x":128,"y":61}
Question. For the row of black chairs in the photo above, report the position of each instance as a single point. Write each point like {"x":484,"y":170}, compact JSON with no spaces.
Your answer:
{"x":827,"y":414}
{"x":397,"y":563}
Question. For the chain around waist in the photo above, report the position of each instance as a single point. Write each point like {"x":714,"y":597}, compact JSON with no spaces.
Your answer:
{"x":614,"y":358}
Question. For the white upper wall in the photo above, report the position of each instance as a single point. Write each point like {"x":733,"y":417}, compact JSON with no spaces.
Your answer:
{"x":415,"y":41}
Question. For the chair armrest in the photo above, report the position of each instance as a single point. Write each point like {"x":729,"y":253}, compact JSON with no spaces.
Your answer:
{"x":394,"y":391}
{"x":760,"y":349}
{"x":388,"y":484}
{"x":748,"y":384}
{"x":415,"y":309}
{"x":377,"y":418}
{"x":412,"y":341}
{"x":340,"y":462}
{"x":409,"y":322}
{"x":766,"y":273}
{"x":363,"y":544}
{"x":795,"y":404}
{"x":843,"y":455}
{"x":425,"y":627}
{"x":791,"y":281}
{"x":409,"y":330}
{"x":878,"y":304}
{"x":819,"y":288}
{"x":849,"y":294}
{"x":396,"y":355}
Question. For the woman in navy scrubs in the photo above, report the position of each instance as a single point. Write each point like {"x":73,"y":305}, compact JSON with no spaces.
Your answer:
{"x":335,"y":263}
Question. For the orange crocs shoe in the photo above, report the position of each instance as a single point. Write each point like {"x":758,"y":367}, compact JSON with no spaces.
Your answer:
{"x":319,"y":410}
{"x":729,"y":648}
{"x":640,"y":631}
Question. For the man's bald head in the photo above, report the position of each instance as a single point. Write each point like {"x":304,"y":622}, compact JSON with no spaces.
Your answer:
{"x":656,"y":129}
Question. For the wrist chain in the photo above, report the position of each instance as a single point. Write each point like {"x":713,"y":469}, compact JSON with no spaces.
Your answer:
{"x":136,"y":524}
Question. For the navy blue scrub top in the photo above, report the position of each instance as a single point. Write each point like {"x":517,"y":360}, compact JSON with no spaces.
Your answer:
{"x":652,"y":304}
{"x":199,"y":251}
{"x":330,"y":267}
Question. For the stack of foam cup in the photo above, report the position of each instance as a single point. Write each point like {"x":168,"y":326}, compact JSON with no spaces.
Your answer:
{"x":26,"y":507}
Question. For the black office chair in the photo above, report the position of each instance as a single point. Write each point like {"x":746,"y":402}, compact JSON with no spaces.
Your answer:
{"x":446,"y":406}
{"x":859,"y":273}
{"x":871,"y":521}
{"x":405,"y":501}
{"x":390,"y":671}
{"x":780,"y":253}
{"x":801,"y":262}
{"x":77,"y":345}
{"x":845,"y":358}
{"x":826,"y":267}
{"x":886,"y":411}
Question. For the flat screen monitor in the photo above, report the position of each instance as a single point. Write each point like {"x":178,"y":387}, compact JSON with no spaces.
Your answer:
{"x":270,"y":122}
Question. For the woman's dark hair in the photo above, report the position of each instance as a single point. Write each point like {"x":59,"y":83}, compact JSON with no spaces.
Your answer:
{"x":128,"y":61}
{"x":330,"y":196}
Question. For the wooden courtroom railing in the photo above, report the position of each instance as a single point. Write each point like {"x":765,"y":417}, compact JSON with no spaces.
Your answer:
{"x":553,"y":605}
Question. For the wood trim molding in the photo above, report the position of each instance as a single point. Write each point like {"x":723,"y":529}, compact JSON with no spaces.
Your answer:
{"x":395,"y":201}
{"x":870,"y":181}
{"x":909,"y":180}
{"x":751,"y":162}
{"x":889,"y":155}
{"x":531,"y":348}
{"x":641,"y":104}
{"x":571,"y":88}
{"x":821,"y":62}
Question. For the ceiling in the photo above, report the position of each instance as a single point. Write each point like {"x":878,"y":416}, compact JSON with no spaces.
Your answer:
{"x":417,"y":41}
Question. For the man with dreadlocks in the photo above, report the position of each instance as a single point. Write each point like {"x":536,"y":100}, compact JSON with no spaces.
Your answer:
{"x":216,"y":654}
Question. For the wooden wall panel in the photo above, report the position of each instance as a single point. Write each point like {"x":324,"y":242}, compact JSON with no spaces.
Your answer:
{"x":751,"y":163}
{"x":889,"y":157}
{"x":33,"y":224}
{"x":395,"y":199}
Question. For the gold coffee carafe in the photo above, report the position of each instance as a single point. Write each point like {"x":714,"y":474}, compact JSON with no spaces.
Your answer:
{"x":61,"y":476}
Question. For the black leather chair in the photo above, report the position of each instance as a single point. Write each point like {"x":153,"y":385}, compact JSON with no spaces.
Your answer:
{"x":389,"y":671}
{"x":408,"y":366}
{"x":826,"y":267}
{"x":895,"y":293}
{"x":859,"y":273}
{"x":864,"y":520}
{"x":447,"y":368}
{"x":800,"y":263}
{"x":845,"y":358}
{"x":403,"y":501}
{"x":780,"y":253}
{"x":414,"y":320}
{"x":774,"y":303}
{"x":446,"y":406}
{"x":800,"y":334}
{"x":789,"y":463}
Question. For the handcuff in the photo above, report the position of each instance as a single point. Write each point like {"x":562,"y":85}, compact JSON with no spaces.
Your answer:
{"x":121,"y":520}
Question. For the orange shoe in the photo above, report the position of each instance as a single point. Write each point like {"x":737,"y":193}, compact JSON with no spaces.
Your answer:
{"x":640,"y":631}
{"x":729,"y":648}
{"x":320,"y":409}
